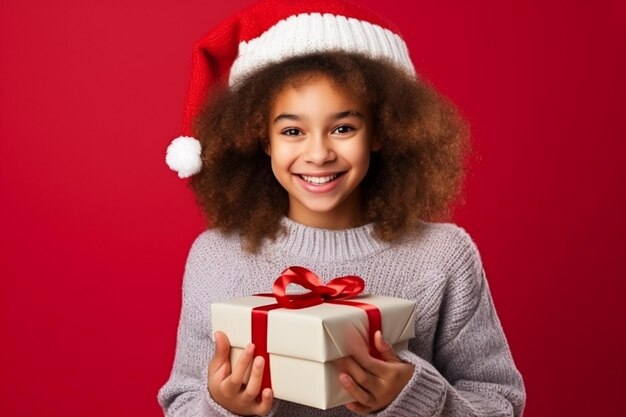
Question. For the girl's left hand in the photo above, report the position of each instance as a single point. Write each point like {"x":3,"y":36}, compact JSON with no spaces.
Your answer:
{"x":373,"y":383}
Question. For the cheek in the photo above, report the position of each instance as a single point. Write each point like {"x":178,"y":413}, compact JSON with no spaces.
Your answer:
{"x":364,"y":157}
{"x":365,"y":164}
{"x":361,"y":163}
{"x":281,"y":160}
{"x":279,"y":175}
{"x":358,"y":157}
{"x":275,"y":167}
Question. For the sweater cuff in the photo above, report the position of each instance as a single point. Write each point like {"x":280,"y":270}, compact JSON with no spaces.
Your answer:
{"x":424,"y":394}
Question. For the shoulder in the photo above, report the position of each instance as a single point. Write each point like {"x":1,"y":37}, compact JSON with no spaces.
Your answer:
{"x":212,"y":250}
{"x":460,"y":263}
{"x":449,"y":233}
{"x":449,"y":251}
{"x":213,"y":243}
{"x":447,"y":243}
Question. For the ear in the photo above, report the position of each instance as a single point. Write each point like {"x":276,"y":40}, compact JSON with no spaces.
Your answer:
{"x":267,"y":149}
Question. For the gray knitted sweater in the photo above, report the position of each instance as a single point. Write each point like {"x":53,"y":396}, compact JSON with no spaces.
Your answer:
{"x":463,"y":366}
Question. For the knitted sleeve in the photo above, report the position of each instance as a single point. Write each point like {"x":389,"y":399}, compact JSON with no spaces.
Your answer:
{"x":473,"y":373}
{"x":185,"y":394}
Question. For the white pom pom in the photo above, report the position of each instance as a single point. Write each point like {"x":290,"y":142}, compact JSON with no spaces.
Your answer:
{"x":183,"y":156}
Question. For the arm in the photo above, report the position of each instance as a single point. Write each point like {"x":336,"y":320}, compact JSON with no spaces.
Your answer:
{"x":472,"y":371}
{"x":185,"y":394}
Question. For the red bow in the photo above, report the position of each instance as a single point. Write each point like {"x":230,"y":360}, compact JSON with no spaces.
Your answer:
{"x":336,"y":289}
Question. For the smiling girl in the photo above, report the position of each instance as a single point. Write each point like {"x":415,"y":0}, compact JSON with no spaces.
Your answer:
{"x":319,"y":146}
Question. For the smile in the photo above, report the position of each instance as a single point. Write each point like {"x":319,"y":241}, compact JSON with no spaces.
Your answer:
{"x":319,"y":180}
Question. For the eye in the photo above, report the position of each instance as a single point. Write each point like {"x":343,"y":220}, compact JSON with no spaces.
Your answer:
{"x":343,"y":129}
{"x":292,"y":131}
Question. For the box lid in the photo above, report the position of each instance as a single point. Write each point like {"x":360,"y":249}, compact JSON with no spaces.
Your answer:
{"x":313,"y":333}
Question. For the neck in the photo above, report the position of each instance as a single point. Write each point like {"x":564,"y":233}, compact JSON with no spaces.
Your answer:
{"x":310,"y":244}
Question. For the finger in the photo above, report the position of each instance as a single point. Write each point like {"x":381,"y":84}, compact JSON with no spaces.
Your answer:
{"x":264,"y":407}
{"x":246,"y":377}
{"x":221,"y":373}
{"x":235,"y":380}
{"x":361,"y":354}
{"x":221,"y":356}
{"x":356,"y":343}
{"x":256,"y":377}
{"x":359,"y":375}
{"x":356,"y":391}
{"x":384,"y":348}
{"x":358,"y":408}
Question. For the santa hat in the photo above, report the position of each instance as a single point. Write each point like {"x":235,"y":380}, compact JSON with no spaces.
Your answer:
{"x":271,"y":31}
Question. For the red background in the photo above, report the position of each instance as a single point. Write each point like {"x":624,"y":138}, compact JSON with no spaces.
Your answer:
{"x":95,"y":228}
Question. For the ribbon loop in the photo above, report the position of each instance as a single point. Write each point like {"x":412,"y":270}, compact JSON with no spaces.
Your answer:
{"x":336,"y":289}
{"x":347,"y":287}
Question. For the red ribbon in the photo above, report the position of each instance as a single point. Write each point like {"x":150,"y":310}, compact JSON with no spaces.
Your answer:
{"x":337,"y":291}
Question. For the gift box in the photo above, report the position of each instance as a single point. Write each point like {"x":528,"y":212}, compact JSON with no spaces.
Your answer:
{"x":301,"y":335}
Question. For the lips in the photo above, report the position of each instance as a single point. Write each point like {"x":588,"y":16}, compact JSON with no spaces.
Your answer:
{"x":320,"y":183}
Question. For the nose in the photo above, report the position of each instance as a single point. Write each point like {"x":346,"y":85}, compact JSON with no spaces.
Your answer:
{"x":319,"y":150}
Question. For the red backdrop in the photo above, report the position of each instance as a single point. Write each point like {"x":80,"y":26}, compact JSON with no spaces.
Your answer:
{"x":95,"y":228}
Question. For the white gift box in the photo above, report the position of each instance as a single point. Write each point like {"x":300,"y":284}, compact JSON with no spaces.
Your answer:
{"x":303,"y":343}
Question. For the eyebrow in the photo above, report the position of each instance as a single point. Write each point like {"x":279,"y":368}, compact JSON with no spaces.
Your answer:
{"x":332,"y":116}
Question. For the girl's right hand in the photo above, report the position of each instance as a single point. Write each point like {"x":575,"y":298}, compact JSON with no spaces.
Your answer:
{"x":230,"y":389}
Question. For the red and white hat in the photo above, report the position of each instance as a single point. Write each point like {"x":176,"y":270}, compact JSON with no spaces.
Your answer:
{"x":271,"y":31}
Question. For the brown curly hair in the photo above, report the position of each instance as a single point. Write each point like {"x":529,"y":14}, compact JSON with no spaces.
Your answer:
{"x":417,"y":173}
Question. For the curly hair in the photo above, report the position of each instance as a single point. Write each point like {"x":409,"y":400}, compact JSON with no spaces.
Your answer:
{"x":416,"y":175}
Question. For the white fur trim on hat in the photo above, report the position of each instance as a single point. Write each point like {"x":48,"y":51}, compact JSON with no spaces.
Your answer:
{"x":305,"y":33}
{"x":183,"y":156}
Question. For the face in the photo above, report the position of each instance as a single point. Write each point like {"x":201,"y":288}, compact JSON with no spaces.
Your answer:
{"x":320,"y":143}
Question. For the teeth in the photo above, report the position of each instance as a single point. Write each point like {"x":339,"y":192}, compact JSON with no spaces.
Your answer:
{"x":318,"y":180}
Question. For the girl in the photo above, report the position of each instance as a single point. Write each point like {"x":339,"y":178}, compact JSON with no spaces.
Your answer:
{"x":319,"y":146}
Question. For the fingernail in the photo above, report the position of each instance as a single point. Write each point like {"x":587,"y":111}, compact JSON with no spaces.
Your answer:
{"x":258,"y":361}
{"x":250,"y":348}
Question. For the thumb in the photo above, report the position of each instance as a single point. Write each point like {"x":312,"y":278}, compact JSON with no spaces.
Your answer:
{"x":384,"y":348}
{"x":221,"y":358}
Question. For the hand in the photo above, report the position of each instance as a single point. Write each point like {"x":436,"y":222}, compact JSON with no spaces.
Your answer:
{"x":373,"y":383}
{"x":237,"y":391}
